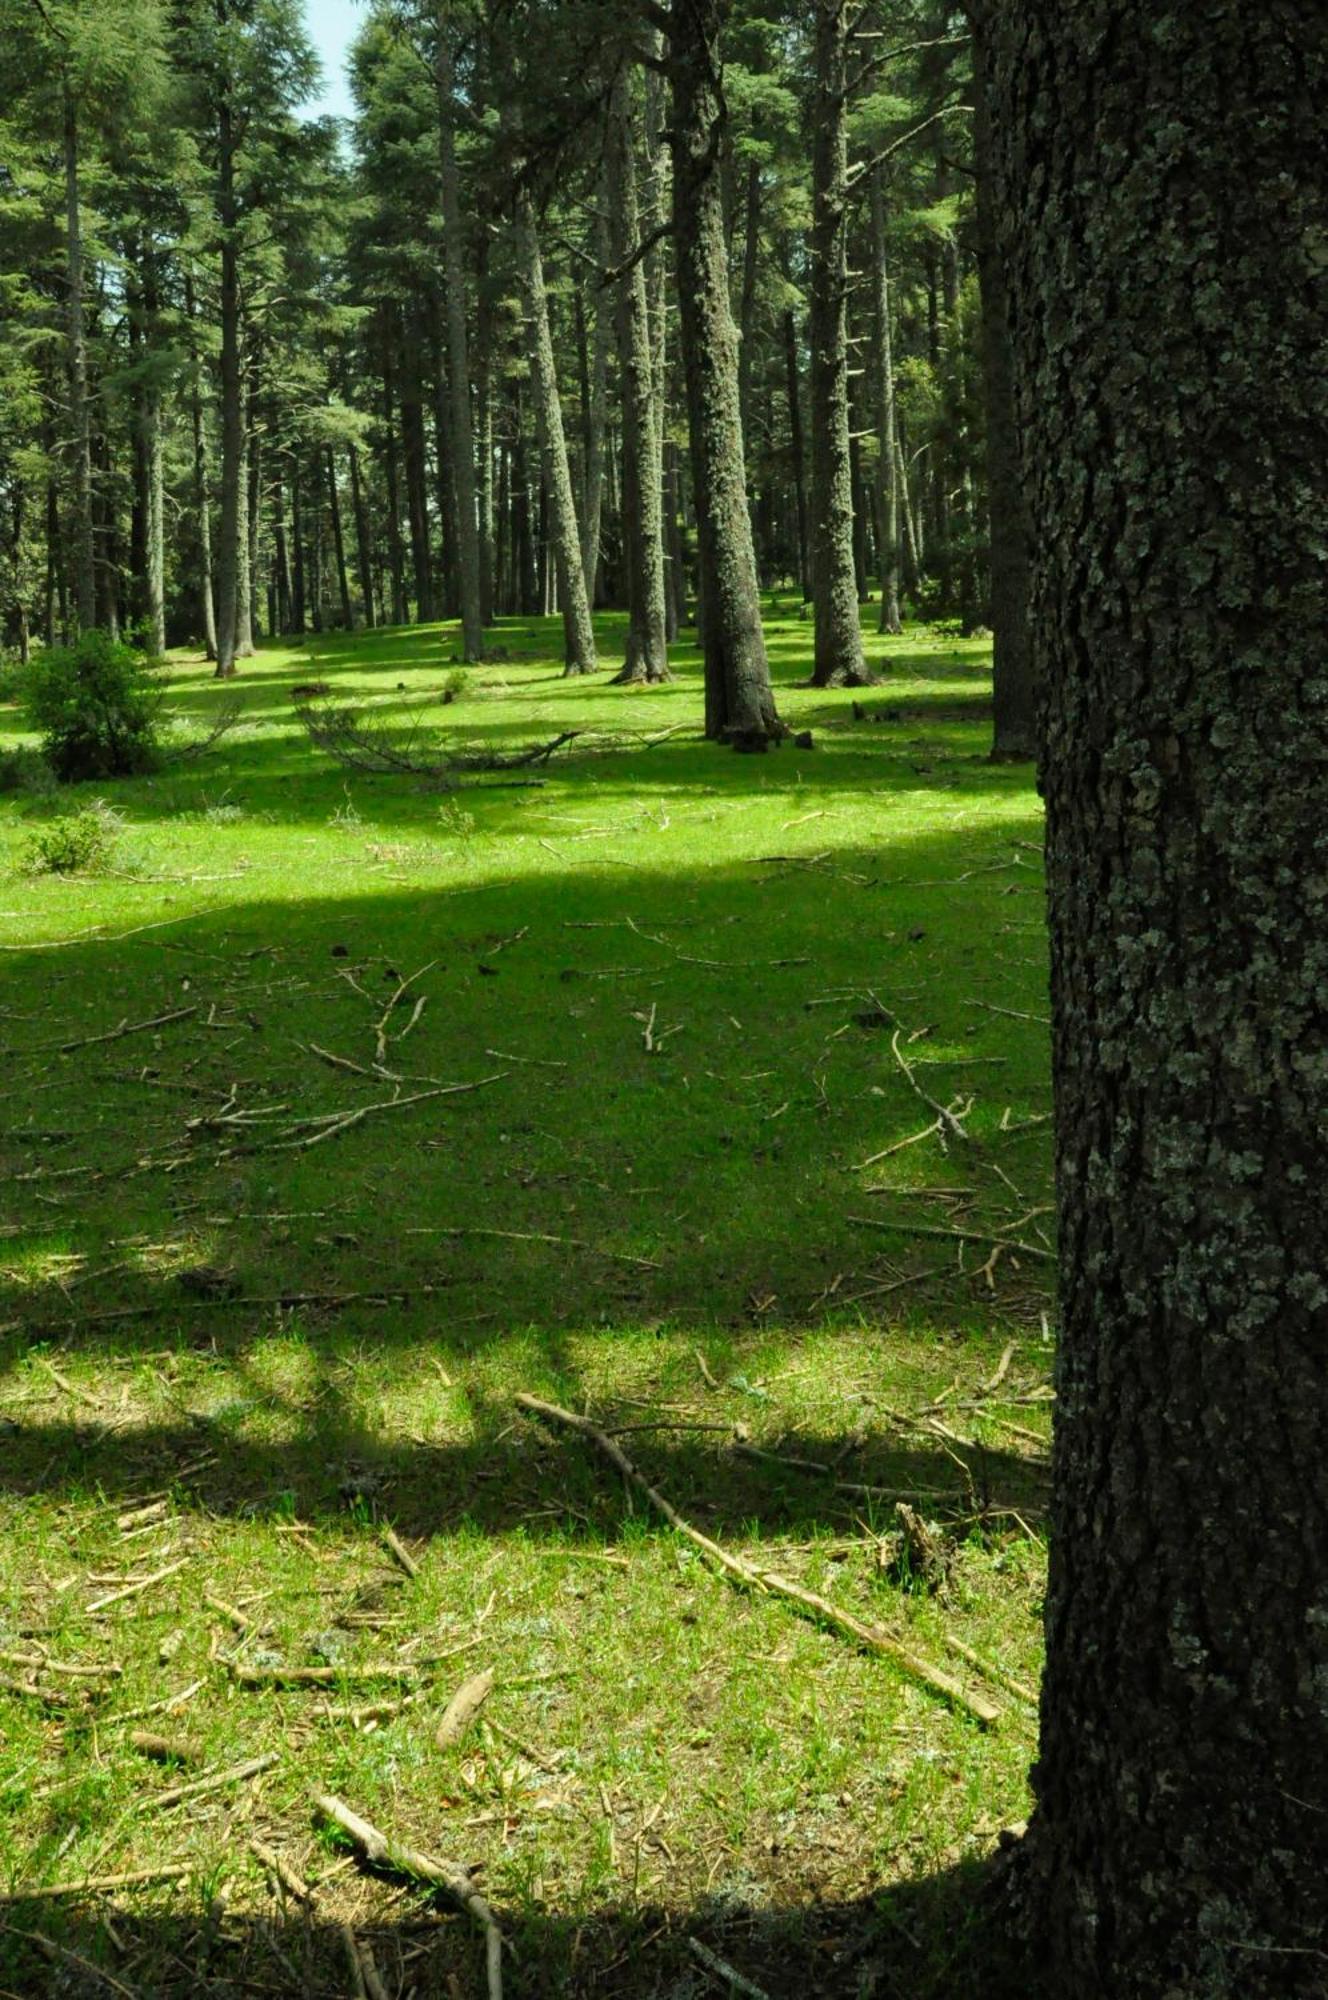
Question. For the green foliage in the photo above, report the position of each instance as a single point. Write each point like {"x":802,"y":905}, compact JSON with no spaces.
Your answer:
{"x":25,"y":770}
{"x":95,"y":706}
{"x":81,"y":843}
{"x":456,"y":683}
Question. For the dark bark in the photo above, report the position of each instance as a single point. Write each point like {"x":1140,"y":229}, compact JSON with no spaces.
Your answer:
{"x":1161,"y":176}
{"x":338,"y":542}
{"x":445,"y":468}
{"x":796,"y":453}
{"x":281,"y":582}
{"x":232,"y":415}
{"x":838,"y":658}
{"x":395,"y":554}
{"x":207,"y":609}
{"x":413,"y":458}
{"x":647,"y":646}
{"x":740,"y":704}
{"x":84,"y":551}
{"x":1014,"y":689}
{"x":887,"y":471}
{"x":297,"y":550}
{"x":563,"y":532}
{"x":363,"y":545}
{"x":458,"y":351}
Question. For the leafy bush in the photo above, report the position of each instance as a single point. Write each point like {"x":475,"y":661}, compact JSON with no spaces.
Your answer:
{"x":79,"y":843}
{"x":455,"y":685}
{"x":27,"y":771}
{"x":95,"y":705}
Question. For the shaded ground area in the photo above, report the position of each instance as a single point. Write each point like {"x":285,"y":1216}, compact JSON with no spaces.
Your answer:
{"x":704,"y":1094}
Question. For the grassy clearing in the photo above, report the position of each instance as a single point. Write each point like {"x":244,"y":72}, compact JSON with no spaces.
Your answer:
{"x":677,"y":985}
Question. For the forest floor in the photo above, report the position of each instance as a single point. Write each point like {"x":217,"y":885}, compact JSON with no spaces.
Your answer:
{"x":649,"y":1056}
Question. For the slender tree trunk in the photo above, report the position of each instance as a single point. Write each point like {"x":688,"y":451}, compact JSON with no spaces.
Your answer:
{"x":232,"y":415}
{"x":484,"y":440}
{"x":1179,"y":509}
{"x":207,"y":609}
{"x":796,"y":449}
{"x":395,"y":554}
{"x":84,"y":548}
{"x":747,"y":300}
{"x":458,"y":350}
{"x":677,"y":541}
{"x":1014,"y":688}
{"x":563,"y":534}
{"x":413,"y":459}
{"x":297,"y":549}
{"x":740,"y":704}
{"x":596,"y":403}
{"x":887,"y":471}
{"x":444,"y":452}
{"x":281,"y":591}
{"x":338,"y":542}
{"x":363,"y":545}
{"x":244,"y":580}
{"x":647,"y":646}
{"x":838,"y":657}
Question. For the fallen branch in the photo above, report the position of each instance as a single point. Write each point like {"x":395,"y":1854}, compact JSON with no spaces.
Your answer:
{"x":112,"y":1034}
{"x":461,"y":1711}
{"x":993,"y":1671}
{"x":948,"y":1122}
{"x":381,"y":1852}
{"x":364,"y":745}
{"x":97,"y":1885}
{"x":955,"y":1235}
{"x":234,"y":1774}
{"x":397,"y":1547}
{"x":752,"y":1578}
{"x":281,"y":1871}
{"x":537,"y":1236}
{"x":721,"y":1968}
{"x":134,"y":1589}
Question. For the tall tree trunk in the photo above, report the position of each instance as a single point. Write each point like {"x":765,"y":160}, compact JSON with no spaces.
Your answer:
{"x":414,"y":462}
{"x":458,"y":348}
{"x":339,"y":542}
{"x":523,"y":538}
{"x":484,"y":438}
{"x":281,"y":584}
{"x":796,"y":449}
{"x":395,"y":555}
{"x":363,"y":546}
{"x":231,"y":387}
{"x":647,"y":646}
{"x":740,"y":704}
{"x":887,"y":471}
{"x":445,"y":456}
{"x":1179,"y":509}
{"x":244,"y":579}
{"x":1014,"y":688}
{"x":563,"y":533}
{"x":207,"y":609}
{"x":747,"y":301}
{"x":297,"y":549}
{"x":84,"y":547}
{"x":838,"y":659}
{"x":596,"y":401}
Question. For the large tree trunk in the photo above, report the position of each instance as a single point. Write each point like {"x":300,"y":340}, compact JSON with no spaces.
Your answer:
{"x":84,"y":547}
{"x":458,"y":350}
{"x":887,"y":471}
{"x":740,"y":703}
{"x":647,"y":646}
{"x":838,"y":660}
{"x":564,"y":535}
{"x":1160,"y":178}
{"x":1014,"y":688}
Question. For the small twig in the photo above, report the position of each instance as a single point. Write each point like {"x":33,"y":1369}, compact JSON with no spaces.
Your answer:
{"x":133,"y":1589}
{"x":993,"y":1671}
{"x":234,"y":1774}
{"x":281,"y":1871}
{"x":398,"y":1548}
{"x":381,"y":1852}
{"x":721,"y":1968}
{"x":954,"y":1235}
{"x":112,"y":1034}
{"x":97,"y":1885}
{"x":536,"y":1236}
{"x":946,"y":1119}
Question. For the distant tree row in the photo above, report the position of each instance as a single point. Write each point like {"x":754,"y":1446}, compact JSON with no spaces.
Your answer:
{"x":580,"y":285}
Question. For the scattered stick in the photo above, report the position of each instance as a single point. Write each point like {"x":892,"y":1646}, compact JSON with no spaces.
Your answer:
{"x":949,"y":1124}
{"x":539,"y":1236}
{"x":282,"y":1872}
{"x":70,"y":1388}
{"x":993,"y":1671}
{"x":380,"y":1852}
{"x":50,"y":1949}
{"x":167,"y":1706}
{"x":721,"y":1968}
{"x":954,"y":1235}
{"x":1010,"y":1013}
{"x":278,"y":1677}
{"x":135,"y":1589}
{"x":112,"y":1035}
{"x":397,"y":1547}
{"x":528,"y":1750}
{"x":990,"y":1387}
{"x":461,"y":1711}
{"x":98,"y":1885}
{"x":228,"y":1612}
{"x":752,"y":1578}
{"x":234,"y":1774}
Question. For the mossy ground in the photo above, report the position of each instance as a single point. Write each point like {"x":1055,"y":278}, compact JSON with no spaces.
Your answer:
{"x":681,"y":982}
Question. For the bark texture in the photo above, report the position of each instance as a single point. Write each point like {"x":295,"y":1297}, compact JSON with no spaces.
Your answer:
{"x":458,"y":350}
{"x":739,"y":702}
{"x":838,"y":659}
{"x":1162,"y":185}
{"x":1014,"y":685}
{"x":887,"y":471}
{"x":564,"y":535}
{"x":647,"y":647}
{"x":80,"y":421}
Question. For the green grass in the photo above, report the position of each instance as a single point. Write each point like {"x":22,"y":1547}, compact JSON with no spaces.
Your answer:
{"x":294,"y":1342}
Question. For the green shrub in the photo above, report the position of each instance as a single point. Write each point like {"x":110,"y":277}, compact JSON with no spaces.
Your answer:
{"x":95,"y":706}
{"x":25,"y":770}
{"x":79,"y":843}
{"x":455,"y":685}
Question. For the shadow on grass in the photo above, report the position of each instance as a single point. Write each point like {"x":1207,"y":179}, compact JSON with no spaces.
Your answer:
{"x":941,"y":1937}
